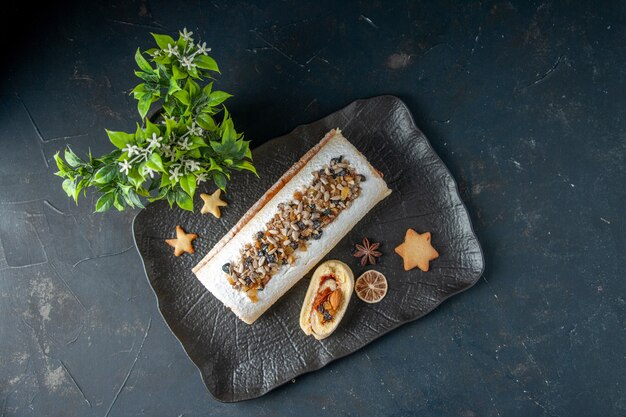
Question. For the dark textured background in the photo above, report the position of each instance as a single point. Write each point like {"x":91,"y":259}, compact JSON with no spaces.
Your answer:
{"x":523,"y":101}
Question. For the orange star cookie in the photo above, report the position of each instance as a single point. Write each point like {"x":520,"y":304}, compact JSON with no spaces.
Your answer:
{"x":212,"y":203}
{"x":182,"y":243}
{"x":416,"y":251}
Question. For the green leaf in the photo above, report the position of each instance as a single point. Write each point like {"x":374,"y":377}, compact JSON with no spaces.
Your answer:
{"x":69,"y":187}
{"x":134,"y":198}
{"x":142,"y":63}
{"x":146,"y":193}
{"x":192,"y":87}
{"x":173,"y":86}
{"x":183,"y":97}
{"x":220,"y":180}
{"x":140,"y":88}
{"x":143,"y":106}
{"x":216,"y":146}
{"x":162,"y":59}
{"x":117,"y":203}
{"x":165,"y":181}
{"x":105,"y":174}
{"x":207,"y":89}
{"x":155,"y":163}
{"x":105,"y":202}
{"x":246,"y":165}
{"x":171,"y":197}
{"x":144,"y":75}
{"x":140,"y":91}
{"x":197,"y":142}
{"x":179,"y":153}
{"x":146,"y":95}
{"x":193,"y":153}
{"x":169,"y":106}
{"x":162,"y":193}
{"x":188,"y":184}
{"x":170,"y":125}
{"x":162,"y":72}
{"x":229,"y":141}
{"x":139,"y":135}
{"x":206,"y":122}
{"x":152,"y":129}
{"x":63,"y":167}
{"x":211,"y":111}
{"x":82,"y":185}
{"x":247,"y":153}
{"x":154,"y":185}
{"x":72,"y":159}
{"x":184,"y":201}
{"x":178,"y":72}
{"x":120,"y":139}
{"x":163,"y":40}
{"x":206,"y":62}
{"x":127,"y":199}
{"x":226,"y":116}
{"x":193,"y":72}
{"x":218,"y":97}
{"x":135,"y":177}
{"x":214,"y":165}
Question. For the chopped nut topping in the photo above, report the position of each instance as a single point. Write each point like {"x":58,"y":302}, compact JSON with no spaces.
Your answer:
{"x":332,"y":189}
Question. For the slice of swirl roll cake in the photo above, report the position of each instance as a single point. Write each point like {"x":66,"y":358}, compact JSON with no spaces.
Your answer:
{"x":292,"y":227}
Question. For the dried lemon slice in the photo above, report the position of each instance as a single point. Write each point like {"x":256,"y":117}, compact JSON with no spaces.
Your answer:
{"x":371,"y":286}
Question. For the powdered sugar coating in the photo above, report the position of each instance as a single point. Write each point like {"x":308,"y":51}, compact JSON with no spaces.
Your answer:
{"x":373,"y":190}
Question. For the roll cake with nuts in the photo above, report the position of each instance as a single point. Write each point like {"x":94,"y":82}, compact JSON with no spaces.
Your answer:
{"x":292,"y":227}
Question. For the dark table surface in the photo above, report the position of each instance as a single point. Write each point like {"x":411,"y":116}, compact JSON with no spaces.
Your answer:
{"x":525,"y":103}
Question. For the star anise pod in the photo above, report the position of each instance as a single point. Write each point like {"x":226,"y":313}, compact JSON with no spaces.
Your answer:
{"x":367,"y":252}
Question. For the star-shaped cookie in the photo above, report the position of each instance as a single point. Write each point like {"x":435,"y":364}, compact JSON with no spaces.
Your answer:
{"x":182,"y":243}
{"x":416,"y":251}
{"x":212,"y":203}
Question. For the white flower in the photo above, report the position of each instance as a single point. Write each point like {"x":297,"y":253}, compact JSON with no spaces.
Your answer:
{"x":184,"y":145}
{"x":174,"y":174}
{"x":142,"y":153}
{"x":131,"y":149}
{"x":171,"y":51}
{"x":194,"y":129}
{"x":186,"y":35}
{"x":200,"y":178}
{"x":167,"y":151}
{"x":124,"y":167}
{"x":192,"y":165}
{"x":157,"y":53}
{"x":154,"y":141}
{"x":187,"y":62}
{"x":202,"y":49}
{"x":149,"y":171}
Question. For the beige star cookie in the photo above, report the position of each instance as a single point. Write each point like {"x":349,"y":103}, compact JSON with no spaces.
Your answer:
{"x":182,"y":243}
{"x":416,"y":251}
{"x":212,"y":203}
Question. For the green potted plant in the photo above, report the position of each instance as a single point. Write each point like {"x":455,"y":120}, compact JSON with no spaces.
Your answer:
{"x":192,"y":139}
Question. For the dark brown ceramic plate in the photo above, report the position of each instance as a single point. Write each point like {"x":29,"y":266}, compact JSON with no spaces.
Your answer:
{"x":238,"y":361}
